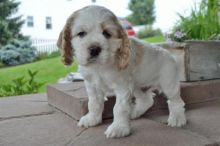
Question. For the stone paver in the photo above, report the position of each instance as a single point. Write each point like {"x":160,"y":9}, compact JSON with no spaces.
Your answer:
{"x":53,"y":128}
{"x":144,"y":133}
{"x":203,"y":119}
{"x":29,"y":121}
{"x":35,"y":104}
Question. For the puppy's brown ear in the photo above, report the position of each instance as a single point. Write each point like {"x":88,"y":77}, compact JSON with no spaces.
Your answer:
{"x":124,"y":52}
{"x":64,"y":42}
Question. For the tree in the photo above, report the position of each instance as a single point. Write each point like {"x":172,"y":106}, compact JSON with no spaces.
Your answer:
{"x":10,"y":25}
{"x":143,"y":12}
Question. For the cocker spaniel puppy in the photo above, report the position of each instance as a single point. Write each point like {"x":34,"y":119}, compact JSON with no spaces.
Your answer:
{"x":111,"y":62}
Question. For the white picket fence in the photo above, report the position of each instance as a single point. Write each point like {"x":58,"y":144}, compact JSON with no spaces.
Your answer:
{"x":44,"y":45}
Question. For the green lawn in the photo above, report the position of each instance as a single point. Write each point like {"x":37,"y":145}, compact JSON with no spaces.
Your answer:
{"x":49,"y":71}
{"x":155,"y":39}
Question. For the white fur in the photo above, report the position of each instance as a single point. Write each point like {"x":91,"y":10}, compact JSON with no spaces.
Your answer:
{"x":154,"y":67}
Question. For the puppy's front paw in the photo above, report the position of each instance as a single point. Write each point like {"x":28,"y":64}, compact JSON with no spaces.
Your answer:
{"x":177,"y":121}
{"x":118,"y":129}
{"x":89,"y":120}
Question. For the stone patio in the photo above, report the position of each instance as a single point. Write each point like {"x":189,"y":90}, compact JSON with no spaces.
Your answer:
{"x":29,"y":121}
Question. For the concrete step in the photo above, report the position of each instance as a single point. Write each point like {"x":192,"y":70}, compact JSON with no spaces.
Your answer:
{"x":72,"y":98}
{"x":27,"y":120}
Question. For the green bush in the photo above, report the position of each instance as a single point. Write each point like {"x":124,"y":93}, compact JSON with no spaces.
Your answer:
{"x":17,"y":52}
{"x":203,"y":22}
{"x":21,"y":86}
{"x":148,"y":31}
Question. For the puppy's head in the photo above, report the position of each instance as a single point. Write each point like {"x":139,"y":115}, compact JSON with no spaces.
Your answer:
{"x":95,"y":36}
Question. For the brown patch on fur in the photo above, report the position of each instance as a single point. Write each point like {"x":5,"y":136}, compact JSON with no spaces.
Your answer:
{"x":124,"y":52}
{"x":64,"y":41}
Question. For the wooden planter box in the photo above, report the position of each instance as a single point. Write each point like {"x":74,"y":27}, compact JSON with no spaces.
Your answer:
{"x":198,"y":60}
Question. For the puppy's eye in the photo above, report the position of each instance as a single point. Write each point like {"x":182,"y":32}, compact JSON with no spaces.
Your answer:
{"x":106,"y":34}
{"x":81,"y":34}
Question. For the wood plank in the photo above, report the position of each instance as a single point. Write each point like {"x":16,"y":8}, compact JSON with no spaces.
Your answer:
{"x":203,"y":60}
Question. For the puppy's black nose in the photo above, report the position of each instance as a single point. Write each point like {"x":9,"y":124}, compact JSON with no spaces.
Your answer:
{"x":94,"y":51}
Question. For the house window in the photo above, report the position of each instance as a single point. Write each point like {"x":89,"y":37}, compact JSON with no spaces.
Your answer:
{"x":48,"y":23}
{"x":30,"y":21}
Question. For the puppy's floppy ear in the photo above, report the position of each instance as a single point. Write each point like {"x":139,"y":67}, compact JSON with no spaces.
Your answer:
{"x":124,"y":52}
{"x":64,"y":41}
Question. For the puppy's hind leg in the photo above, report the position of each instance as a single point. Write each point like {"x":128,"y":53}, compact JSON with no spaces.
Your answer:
{"x":143,"y":101}
{"x":170,"y":85}
{"x":176,"y":109}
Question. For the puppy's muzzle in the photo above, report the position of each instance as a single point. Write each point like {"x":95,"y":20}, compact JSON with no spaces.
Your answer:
{"x":94,"y":51}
